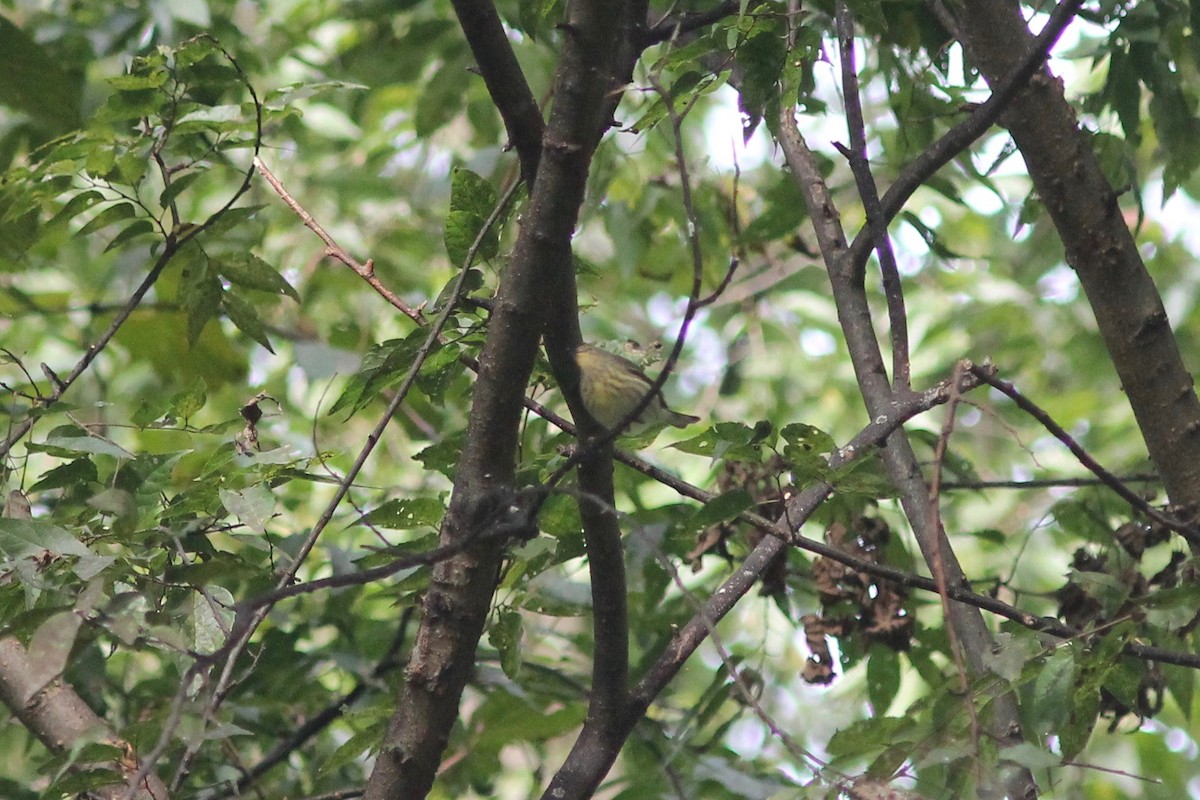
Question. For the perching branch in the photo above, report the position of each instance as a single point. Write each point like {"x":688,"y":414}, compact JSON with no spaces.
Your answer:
{"x":1184,"y":528}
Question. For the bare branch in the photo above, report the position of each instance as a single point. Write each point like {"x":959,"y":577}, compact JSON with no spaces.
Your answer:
{"x":854,"y":314}
{"x":334,"y":250}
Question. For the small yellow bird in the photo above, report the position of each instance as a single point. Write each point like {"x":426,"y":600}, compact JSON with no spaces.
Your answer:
{"x":612,"y":386}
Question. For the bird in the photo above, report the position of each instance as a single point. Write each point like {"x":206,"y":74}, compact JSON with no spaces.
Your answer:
{"x":612,"y":387}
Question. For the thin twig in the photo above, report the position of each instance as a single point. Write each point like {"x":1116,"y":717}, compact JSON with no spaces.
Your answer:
{"x":245,"y":632}
{"x":1045,"y":483}
{"x":935,"y":563}
{"x":1186,"y":530}
{"x":333,"y":711}
{"x":669,"y":28}
{"x":817,"y":765}
{"x":334,"y":250}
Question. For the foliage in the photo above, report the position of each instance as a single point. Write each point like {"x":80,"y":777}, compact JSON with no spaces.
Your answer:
{"x":182,"y":472}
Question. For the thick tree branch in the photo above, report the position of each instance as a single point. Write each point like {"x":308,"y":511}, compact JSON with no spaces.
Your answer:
{"x":601,"y":529}
{"x":57,"y":716}
{"x":460,"y":591}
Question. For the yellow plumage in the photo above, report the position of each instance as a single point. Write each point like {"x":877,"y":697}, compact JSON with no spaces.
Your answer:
{"x":612,"y":386}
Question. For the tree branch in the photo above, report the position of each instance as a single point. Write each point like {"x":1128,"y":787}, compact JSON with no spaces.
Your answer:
{"x":856,"y":154}
{"x":1084,"y":209}
{"x":1185,"y":529}
{"x":960,"y":137}
{"x":61,"y":720}
{"x":505,"y":81}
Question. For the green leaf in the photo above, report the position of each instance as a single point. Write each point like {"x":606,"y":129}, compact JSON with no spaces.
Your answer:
{"x":732,"y":441}
{"x":443,"y":456}
{"x":50,"y":647}
{"x":200,"y":292}
{"x":187,"y":402}
{"x":462,"y":229}
{"x":246,"y":269}
{"x":560,"y":518}
{"x":406,"y":514}
{"x":254,"y":506}
{"x":230,"y":220}
{"x":145,"y":77}
{"x":117,"y":212}
{"x":243,"y":314}
{"x":1010,"y":655}
{"x":209,"y":117}
{"x":536,"y":17}
{"x":126,"y":106}
{"x":25,"y":538}
{"x":179,"y":184}
{"x":74,"y":473}
{"x":134,"y":230}
{"x":1030,"y":756}
{"x":1073,"y":736}
{"x":807,"y":450}
{"x":77,"y":205}
{"x":883,"y":677}
{"x":722,"y":508}
{"x":472,"y":193}
{"x":359,"y":743}
{"x":1181,"y":682}
{"x":472,"y":281}
{"x":866,"y":736}
{"x":195,"y":50}
{"x":29,"y":542}
{"x":762,"y":56}
{"x":69,"y":444}
{"x":212,"y":618}
{"x":438,"y":372}
{"x":869,"y":14}
{"x":383,"y":366}
{"x":1053,"y":693}
{"x":505,"y":635}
